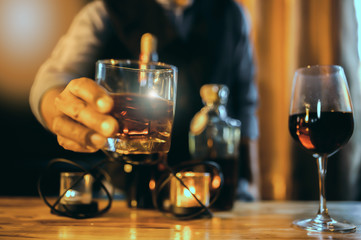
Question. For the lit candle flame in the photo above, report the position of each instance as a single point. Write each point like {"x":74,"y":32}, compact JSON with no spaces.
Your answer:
{"x":70,"y":193}
{"x":188,"y":193}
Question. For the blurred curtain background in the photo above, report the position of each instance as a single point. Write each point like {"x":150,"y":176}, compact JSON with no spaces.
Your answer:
{"x":287,"y":34}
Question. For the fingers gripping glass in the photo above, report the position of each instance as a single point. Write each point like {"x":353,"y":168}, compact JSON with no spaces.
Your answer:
{"x":144,"y":102}
{"x":321,"y":121}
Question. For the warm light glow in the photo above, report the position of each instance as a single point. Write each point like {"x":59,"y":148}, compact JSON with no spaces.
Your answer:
{"x":216,"y":182}
{"x":133,"y":233}
{"x":134,"y":203}
{"x":128,"y":168}
{"x":210,"y":143}
{"x":70,"y":193}
{"x":307,"y":117}
{"x":25,"y":29}
{"x":133,"y":215}
{"x":152,"y":93}
{"x":306,"y":141}
{"x":64,"y":232}
{"x":144,"y":132}
{"x":279,"y":187}
{"x":29,"y":30}
{"x":24,"y":24}
{"x":187,"y":233}
{"x":216,"y":222}
{"x":188,"y":193}
{"x":197,"y":183}
{"x":152,"y":184}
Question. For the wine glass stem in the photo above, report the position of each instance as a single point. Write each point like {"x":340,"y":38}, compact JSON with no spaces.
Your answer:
{"x":322,"y":214}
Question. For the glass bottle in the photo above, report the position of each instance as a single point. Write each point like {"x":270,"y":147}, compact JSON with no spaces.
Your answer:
{"x":214,"y":136}
{"x":140,"y":179}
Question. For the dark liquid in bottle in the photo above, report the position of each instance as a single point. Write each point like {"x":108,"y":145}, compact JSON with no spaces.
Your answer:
{"x":322,"y":133}
{"x":137,"y":189}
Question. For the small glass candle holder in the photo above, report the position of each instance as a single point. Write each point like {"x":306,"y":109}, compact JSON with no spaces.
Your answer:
{"x":76,"y":195}
{"x":78,"y":188}
{"x":182,"y":200}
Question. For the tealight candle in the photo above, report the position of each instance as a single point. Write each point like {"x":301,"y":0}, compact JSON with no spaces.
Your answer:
{"x":80,"y":193}
{"x":182,"y":199}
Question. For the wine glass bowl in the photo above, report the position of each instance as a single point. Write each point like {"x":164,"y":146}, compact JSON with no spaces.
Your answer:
{"x":321,"y":121}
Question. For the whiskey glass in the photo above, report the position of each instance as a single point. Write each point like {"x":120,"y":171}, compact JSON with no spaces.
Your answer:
{"x":144,"y":97}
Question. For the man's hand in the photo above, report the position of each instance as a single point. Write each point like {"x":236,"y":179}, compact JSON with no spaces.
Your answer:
{"x":79,"y":115}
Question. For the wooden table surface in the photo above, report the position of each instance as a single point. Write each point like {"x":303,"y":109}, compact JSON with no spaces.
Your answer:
{"x":30,"y":218}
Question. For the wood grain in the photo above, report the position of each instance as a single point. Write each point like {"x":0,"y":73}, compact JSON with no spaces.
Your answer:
{"x":30,"y":218}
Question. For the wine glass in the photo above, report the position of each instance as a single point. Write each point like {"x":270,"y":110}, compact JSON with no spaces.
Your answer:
{"x":321,"y":121}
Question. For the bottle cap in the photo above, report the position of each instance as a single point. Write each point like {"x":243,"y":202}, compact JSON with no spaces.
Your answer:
{"x":198,"y":123}
{"x":214,"y":94}
{"x":148,"y":46}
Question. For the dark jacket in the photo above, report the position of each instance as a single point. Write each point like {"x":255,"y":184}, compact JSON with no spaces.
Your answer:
{"x":216,"y":49}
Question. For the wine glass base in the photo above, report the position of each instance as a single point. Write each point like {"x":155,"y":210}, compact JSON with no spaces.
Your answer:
{"x":332,"y":225}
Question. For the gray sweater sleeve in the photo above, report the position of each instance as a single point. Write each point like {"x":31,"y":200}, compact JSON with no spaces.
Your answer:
{"x":74,"y":55}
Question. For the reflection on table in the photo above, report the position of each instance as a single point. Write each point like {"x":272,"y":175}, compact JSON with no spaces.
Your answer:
{"x":23,"y":218}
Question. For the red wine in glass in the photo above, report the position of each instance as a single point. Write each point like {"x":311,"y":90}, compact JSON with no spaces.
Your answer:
{"x":323,"y":133}
{"x":321,"y":121}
